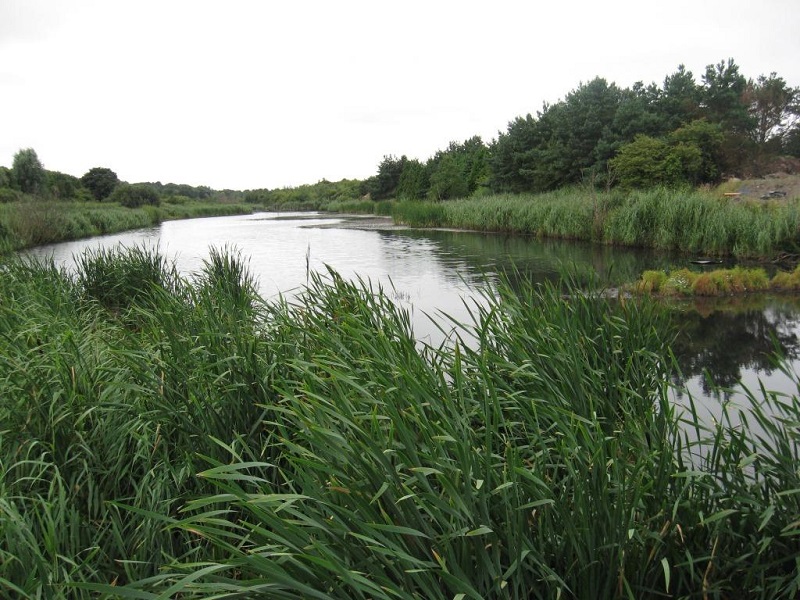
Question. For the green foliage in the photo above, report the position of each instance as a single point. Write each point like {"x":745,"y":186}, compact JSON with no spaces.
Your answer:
{"x":101,"y":182}
{"x":27,"y":173}
{"x":459,"y":171}
{"x":679,"y":101}
{"x":8,"y":195}
{"x":135,"y":195}
{"x":420,"y":214}
{"x":414,"y":181}
{"x":773,"y":106}
{"x":61,"y":186}
{"x":120,"y":279}
{"x":306,"y":197}
{"x":735,"y":125}
{"x":689,"y":155}
{"x":717,"y":282}
{"x":446,"y":181}
{"x":707,"y":138}
{"x":725,"y":97}
{"x":662,"y":218}
{"x":354,"y":207}
{"x":196,"y":442}
{"x":384,"y":184}
{"x":641,"y":163}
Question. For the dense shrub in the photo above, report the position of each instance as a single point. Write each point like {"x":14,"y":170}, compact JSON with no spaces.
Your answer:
{"x":135,"y":195}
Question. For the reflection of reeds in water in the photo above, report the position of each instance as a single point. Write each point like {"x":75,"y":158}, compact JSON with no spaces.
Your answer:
{"x":190,"y":440}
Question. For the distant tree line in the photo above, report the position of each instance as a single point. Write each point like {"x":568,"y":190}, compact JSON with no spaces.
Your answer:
{"x":28,"y":177}
{"x":308,"y":196}
{"x":683,"y":132}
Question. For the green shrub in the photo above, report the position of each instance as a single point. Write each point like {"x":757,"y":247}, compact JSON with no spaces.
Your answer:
{"x":8,"y":195}
{"x":135,"y":195}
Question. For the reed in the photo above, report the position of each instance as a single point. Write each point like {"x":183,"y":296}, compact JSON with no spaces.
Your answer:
{"x":185,"y":439}
{"x":665,"y":219}
{"x":35,"y":222}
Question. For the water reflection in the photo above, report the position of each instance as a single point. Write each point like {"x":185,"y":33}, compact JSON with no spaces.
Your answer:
{"x":731,"y":339}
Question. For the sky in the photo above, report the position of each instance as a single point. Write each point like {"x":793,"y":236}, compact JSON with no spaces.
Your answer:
{"x":247,"y":94}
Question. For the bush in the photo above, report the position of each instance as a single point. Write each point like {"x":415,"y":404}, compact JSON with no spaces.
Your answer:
{"x":8,"y":195}
{"x":135,"y":195}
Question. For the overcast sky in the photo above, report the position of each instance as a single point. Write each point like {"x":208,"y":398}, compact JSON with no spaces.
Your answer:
{"x":248,"y":94}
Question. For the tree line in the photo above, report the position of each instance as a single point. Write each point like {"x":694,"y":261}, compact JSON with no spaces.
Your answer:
{"x":683,"y":132}
{"x":28,"y":177}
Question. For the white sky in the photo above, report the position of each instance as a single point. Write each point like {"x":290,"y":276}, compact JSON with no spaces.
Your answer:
{"x":248,"y":94}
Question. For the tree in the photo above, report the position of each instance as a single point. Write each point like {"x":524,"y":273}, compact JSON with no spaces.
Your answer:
{"x":447,"y":180}
{"x":66,"y":187}
{"x":414,"y":181}
{"x":384,"y":184}
{"x":701,"y":163}
{"x":773,"y":106}
{"x":27,"y":172}
{"x":679,"y":101}
{"x":101,"y":182}
{"x":724,"y":97}
{"x":641,"y":163}
{"x":135,"y":195}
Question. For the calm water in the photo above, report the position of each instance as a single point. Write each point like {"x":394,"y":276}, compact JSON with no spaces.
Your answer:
{"x":430,"y":272}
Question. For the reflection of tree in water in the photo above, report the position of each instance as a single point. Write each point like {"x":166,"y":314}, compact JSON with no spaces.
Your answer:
{"x":726,"y":337}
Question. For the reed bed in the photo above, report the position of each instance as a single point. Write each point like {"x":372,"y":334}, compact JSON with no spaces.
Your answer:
{"x":675,"y":220}
{"x":35,"y":222}
{"x":184,"y":439}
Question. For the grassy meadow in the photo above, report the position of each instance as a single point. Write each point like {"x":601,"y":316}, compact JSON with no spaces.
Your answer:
{"x":691,"y":221}
{"x":163,"y":437}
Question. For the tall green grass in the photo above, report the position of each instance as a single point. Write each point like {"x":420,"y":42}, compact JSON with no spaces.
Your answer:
{"x":35,"y":222}
{"x":686,"y":221}
{"x":182,"y":439}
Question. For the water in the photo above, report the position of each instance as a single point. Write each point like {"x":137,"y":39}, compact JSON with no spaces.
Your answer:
{"x":435,"y":272}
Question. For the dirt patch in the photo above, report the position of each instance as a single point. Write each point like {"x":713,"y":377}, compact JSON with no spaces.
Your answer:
{"x":782,"y":183}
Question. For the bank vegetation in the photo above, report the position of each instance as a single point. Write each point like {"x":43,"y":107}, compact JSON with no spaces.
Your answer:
{"x":166,"y":437}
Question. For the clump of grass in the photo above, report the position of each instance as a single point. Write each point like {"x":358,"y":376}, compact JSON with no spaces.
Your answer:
{"x":651,"y":282}
{"x":679,"y":283}
{"x":120,"y":277}
{"x":718,"y":282}
{"x":787,"y":281}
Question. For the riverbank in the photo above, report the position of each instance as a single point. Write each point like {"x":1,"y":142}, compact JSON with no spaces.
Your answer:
{"x":188,"y":438}
{"x":693,"y":222}
{"x":32,"y":223}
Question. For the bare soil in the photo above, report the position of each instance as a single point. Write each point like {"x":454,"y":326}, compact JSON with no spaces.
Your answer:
{"x":785,"y":179}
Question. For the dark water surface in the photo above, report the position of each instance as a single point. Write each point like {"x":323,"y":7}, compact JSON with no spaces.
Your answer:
{"x":430,"y":272}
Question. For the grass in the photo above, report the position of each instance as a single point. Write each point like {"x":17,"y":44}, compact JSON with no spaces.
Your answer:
{"x":717,"y":282}
{"x":165,"y":438}
{"x":686,"y":221}
{"x":34,"y":222}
